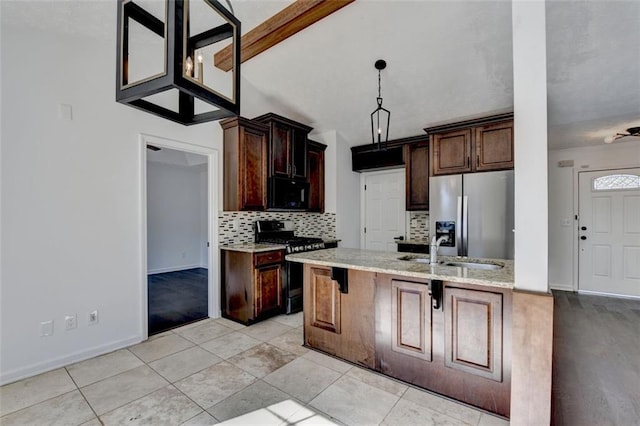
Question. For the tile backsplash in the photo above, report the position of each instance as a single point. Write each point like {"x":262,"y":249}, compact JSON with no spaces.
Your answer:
{"x":307,"y":224}
{"x":419,"y":226}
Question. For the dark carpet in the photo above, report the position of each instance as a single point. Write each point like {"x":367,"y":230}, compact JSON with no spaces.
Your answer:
{"x":176,"y":298}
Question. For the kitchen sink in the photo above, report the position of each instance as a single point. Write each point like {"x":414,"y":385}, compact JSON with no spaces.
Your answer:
{"x":474,"y":265}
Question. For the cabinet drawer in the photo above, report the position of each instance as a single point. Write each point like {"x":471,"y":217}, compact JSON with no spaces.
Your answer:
{"x":268,"y":257}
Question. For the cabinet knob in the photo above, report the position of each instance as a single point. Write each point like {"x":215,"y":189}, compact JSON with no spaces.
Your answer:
{"x":584,"y":228}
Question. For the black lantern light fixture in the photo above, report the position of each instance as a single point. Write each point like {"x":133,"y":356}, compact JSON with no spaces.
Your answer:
{"x":165,"y":59}
{"x":380,"y":117}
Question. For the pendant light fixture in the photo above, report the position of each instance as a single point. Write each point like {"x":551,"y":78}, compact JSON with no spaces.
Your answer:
{"x":381,"y":116}
{"x":165,"y":59}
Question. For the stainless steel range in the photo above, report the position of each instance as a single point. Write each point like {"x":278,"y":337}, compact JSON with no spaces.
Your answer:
{"x":283,"y":232}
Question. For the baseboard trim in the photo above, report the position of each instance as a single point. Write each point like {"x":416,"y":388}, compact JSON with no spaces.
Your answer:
{"x":173,"y":269}
{"x":599,"y":293}
{"x":561,"y":287}
{"x":43,"y":367}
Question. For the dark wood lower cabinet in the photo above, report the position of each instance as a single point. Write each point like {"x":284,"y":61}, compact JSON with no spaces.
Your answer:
{"x":251,"y":285}
{"x":387,"y":323}
{"x":340,"y":324}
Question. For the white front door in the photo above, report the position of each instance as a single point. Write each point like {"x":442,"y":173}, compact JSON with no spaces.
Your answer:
{"x":383,"y":211}
{"x":609,"y":232}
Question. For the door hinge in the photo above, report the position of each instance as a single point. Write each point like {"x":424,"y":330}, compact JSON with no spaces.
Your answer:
{"x":365,"y":187}
{"x":577,"y":217}
{"x":365,"y":229}
{"x":207,"y":243}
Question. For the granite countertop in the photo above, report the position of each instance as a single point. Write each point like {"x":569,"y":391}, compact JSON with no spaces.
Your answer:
{"x":252,"y":247}
{"x":388,"y":263}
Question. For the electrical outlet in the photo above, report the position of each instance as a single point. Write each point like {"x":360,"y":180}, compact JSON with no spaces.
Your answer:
{"x":93,"y":317}
{"x":70,"y":322}
{"x":46,"y":328}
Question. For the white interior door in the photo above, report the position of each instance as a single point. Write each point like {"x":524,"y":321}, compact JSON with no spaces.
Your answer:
{"x":384,"y":209}
{"x":609,"y":232}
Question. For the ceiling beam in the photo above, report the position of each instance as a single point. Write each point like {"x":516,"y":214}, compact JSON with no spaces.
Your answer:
{"x":290,"y":20}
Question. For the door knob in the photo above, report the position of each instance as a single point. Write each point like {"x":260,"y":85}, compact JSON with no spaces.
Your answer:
{"x":583,"y":237}
{"x":584,"y":228}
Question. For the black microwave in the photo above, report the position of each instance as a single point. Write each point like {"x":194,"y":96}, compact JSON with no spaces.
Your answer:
{"x":288,"y":194}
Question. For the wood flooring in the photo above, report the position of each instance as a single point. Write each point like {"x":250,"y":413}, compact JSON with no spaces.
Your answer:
{"x":177,"y":298}
{"x":596,"y":360}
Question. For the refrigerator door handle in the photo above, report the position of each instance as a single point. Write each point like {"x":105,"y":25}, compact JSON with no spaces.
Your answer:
{"x":465,"y":226}
{"x":459,"y":248}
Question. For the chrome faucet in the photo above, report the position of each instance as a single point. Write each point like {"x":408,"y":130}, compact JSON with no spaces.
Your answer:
{"x":435,"y":245}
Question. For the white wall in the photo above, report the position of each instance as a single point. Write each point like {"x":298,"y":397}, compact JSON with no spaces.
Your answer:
{"x":342,"y":188}
{"x":71,"y":197}
{"x":175,"y":200}
{"x":563,"y":201}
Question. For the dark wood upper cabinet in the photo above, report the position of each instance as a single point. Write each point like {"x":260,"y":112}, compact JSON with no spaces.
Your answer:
{"x":315,"y":174}
{"x":451,"y":152}
{"x":287,"y":146}
{"x":245,"y":164}
{"x":417,"y":175}
{"x":476,"y":145}
{"x":494,"y":146}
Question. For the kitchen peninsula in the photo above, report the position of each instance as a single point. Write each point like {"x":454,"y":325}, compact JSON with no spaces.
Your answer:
{"x":444,"y":327}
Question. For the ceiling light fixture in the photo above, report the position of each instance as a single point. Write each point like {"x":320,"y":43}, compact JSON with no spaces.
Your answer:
{"x":165,"y":59}
{"x":380,"y":126}
{"x":631,"y":131}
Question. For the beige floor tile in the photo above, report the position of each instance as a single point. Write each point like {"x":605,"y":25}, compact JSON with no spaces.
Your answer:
{"x":266,"y":330}
{"x":123,"y":388}
{"x":212,"y":385}
{"x":67,"y":409}
{"x":254,"y":397}
{"x":377,"y":380}
{"x":92,"y":422}
{"x":302,"y":379}
{"x":408,"y":413}
{"x":272,"y":415}
{"x":152,"y":350}
{"x":185,"y":363}
{"x":18,"y":395}
{"x":290,"y":341}
{"x":328,"y":361}
{"x":443,"y":405}
{"x":354,"y":402}
{"x":230,"y":344}
{"x":262,"y":359}
{"x":202,"y":419}
{"x":191,"y":325}
{"x":305,"y":416}
{"x":231,"y":324}
{"x":292,"y":320}
{"x":489,"y":420}
{"x":159,"y":335}
{"x":204,"y":332}
{"x":95,"y":369}
{"x":166,"y":406}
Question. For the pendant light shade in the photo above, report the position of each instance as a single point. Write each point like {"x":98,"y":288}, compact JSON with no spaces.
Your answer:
{"x":165,"y":59}
{"x":380,"y":117}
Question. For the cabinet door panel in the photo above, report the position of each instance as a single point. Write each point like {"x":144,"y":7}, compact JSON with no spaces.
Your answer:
{"x":253,"y":176}
{"x":494,"y":146}
{"x":315,"y":172}
{"x":299,"y":154}
{"x":280,"y":150}
{"x":411,"y":332}
{"x":325,"y":303}
{"x":473,"y":332}
{"x":268,"y":289}
{"x":417,"y":176}
{"x":452,"y":152}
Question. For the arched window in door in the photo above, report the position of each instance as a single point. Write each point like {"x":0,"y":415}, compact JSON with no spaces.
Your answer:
{"x":616,"y":182}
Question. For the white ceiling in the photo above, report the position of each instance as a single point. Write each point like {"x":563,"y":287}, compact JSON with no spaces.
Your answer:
{"x":446,"y":60}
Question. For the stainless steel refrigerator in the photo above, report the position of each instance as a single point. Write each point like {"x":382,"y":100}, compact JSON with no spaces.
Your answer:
{"x":475,"y":211}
